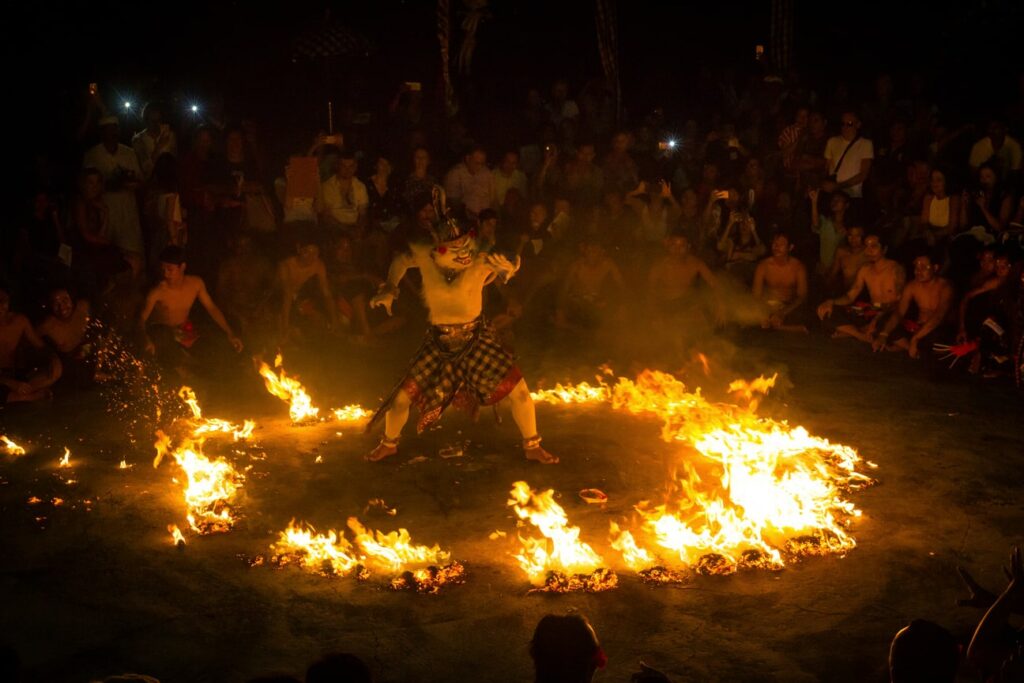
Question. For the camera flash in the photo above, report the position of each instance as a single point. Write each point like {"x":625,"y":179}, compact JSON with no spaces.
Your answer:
{"x":127,"y":105}
{"x":195,"y":108}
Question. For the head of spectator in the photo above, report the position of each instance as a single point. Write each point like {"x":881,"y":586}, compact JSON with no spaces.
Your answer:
{"x":855,"y":237}
{"x":802,"y":117}
{"x":897,"y":134}
{"x":509,"y":163}
{"x":585,"y":154}
{"x":986,"y":261}
{"x":621,"y":143}
{"x":923,"y":652}
{"x":423,"y":209}
{"x":677,"y":245}
{"x":781,"y":246}
{"x":202,"y":142}
{"x":565,"y":650}
{"x":476,"y":159}
{"x":90,"y":185}
{"x":307,"y":251}
{"x":849,"y":125}
{"x":153,"y":116}
{"x":343,"y":252}
{"x":709,"y":174}
{"x":925,"y":267}
{"x":1003,"y":266}
{"x":110,"y":133}
{"x":234,"y":145}
{"x":487,"y":226}
{"x":382,"y":168}
{"x":873,"y":250}
{"x":817,"y":124}
{"x":688,"y":203}
{"x":347,"y":165}
{"x":62,"y":306}
{"x":559,"y":92}
{"x":172,"y":265}
{"x":838,"y":203}
{"x":937,"y":183}
{"x":753,"y":172}
{"x":997,"y":132}
{"x":339,"y":668}
{"x":420,"y":161}
{"x":988,"y":178}
{"x":538,"y":216}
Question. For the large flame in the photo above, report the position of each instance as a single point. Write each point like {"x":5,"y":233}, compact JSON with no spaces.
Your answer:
{"x":752,"y":490}
{"x":210,"y":487}
{"x":560,"y":552}
{"x":9,"y":447}
{"x":288,"y":389}
{"x":207,"y":425}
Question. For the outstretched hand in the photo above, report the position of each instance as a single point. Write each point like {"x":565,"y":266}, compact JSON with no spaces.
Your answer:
{"x":502,"y":266}
{"x":384,"y":299}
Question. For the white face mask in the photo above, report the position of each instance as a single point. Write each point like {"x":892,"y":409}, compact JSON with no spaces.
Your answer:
{"x":457,"y":255}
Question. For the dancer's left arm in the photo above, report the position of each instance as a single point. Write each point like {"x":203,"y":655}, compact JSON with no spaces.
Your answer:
{"x":389,"y":290}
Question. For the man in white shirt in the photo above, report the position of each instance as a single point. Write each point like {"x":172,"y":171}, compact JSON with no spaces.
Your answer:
{"x":471,"y":183}
{"x":848,"y":158}
{"x":997,"y":147}
{"x":119,"y":166}
{"x":343,"y":199}
{"x":155,"y":139}
{"x":508,"y":177}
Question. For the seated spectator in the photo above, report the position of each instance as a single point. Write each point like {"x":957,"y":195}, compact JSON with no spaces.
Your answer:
{"x":672,"y":281}
{"x":982,"y":318}
{"x":616,"y":222}
{"x":339,"y":668}
{"x":533,"y":238}
{"x":619,"y":169}
{"x":589,"y":295}
{"x":154,"y":140}
{"x":848,"y":260}
{"x":244,"y":287}
{"x":385,"y":206}
{"x":884,"y":279}
{"x":989,"y":206}
{"x":997,"y":149}
{"x":923,"y":652}
{"x":790,"y":136}
{"x":780,"y":281}
{"x":830,"y":228}
{"x":932,"y":296}
{"x":470,"y":184}
{"x":549,"y":179}
{"x":584,"y":179}
{"x":65,"y":328}
{"x":848,"y":158}
{"x":561,"y":107}
{"x":419,"y":181}
{"x":171,"y":334}
{"x":940,"y":214}
{"x":343,"y":202}
{"x":738,"y":244}
{"x":353,"y":288}
{"x":305,"y":293}
{"x":657,"y":209}
{"x":689,"y":216}
{"x":90,"y":228}
{"x":23,"y":379}
{"x":565,"y":649}
{"x":487,"y":230}
{"x":507,"y":176}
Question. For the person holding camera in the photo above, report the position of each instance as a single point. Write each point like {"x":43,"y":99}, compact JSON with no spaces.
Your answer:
{"x":848,"y":157}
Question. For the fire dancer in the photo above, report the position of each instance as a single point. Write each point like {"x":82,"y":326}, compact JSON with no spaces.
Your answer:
{"x":460,"y":361}
{"x":170,"y":304}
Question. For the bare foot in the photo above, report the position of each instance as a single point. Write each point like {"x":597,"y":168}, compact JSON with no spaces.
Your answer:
{"x":384,"y":449}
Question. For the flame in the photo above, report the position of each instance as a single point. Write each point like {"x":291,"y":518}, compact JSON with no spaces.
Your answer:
{"x":329,"y":553}
{"x":65,"y":462}
{"x":753,"y":491}
{"x":11,"y":448}
{"x":124,"y":465}
{"x":286,"y":388}
{"x":395,"y":552}
{"x":352,"y":413}
{"x":213,"y":425}
{"x":560,"y":552}
{"x":176,"y":536}
{"x":210,"y":487}
{"x":583,"y":392}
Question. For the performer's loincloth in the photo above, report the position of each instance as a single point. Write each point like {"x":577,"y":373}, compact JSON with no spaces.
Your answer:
{"x":459,"y":364}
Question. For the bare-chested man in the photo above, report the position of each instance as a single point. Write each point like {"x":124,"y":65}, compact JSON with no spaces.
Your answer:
{"x":848,"y":259}
{"x":780,"y":281}
{"x":20,"y":383}
{"x":65,"y":328}
{"x":297,"y":275}
{"x":588,"y":293}
{"x":933,"y":297}
{"x":672,"y":281}
{"x":884,"y":279}
{"x":169,"y":305}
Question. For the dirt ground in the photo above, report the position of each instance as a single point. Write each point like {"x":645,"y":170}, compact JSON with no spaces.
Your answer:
{"x":96,"y":589}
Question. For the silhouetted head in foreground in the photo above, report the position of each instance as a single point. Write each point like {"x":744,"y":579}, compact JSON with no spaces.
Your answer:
{"x":338,"y":668}
{"x":565,"y":650}
{"x":923,"y":652}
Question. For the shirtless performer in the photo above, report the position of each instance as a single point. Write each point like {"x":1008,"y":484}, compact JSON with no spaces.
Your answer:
{"x":65,"y":328}
{"x":587,"y":296}
{"x":18,"y":383}
{"x":884,"y":280}
{"x":170,"y":303}
{"x":296,"y":275}
{"x":933,"y":297}
{"x":673,"y":278}
{"x":848,"y":259}
{"x":460,"y":361}
{"x":780,"y":281}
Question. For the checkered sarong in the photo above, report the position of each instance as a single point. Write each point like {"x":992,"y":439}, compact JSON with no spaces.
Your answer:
{"x":463,"y":365}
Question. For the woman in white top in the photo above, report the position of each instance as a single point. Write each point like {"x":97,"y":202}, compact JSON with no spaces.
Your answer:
{"x":940,"y":212}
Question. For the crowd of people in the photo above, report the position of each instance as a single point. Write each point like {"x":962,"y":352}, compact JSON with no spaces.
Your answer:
{"x":887,"y":222}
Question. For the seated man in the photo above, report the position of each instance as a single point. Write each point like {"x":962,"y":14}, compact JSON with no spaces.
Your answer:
{"x":848,"y":259}
{"x":933,"y":297}
{"x":66,"y":328}
{"x":983,"y":318}
{"x":780,"y":281}
{"x":672,"y":281}
{"x":171,"y":333}
{"x":20,"y":382}
{"x":883,"y":279}
{"x":588,"y":294}
{"x":302,"y":278}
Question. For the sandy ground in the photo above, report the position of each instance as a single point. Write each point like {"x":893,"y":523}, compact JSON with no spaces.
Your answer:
{"x":97,"y":591}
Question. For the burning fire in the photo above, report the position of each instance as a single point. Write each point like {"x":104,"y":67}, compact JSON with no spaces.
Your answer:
{"x":286,"y":388}
{"x":65,"y":462}
{"x":753,"y":491}
{"x":211,"y":484}
{"x":560,"y":560}
{"x":414,"y":567}
{"x":213,"y":425}
{"x":176,"y":536}
{"x":352,"y":413}
{"x":11,"y":448}
{"x":584,"y":392}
